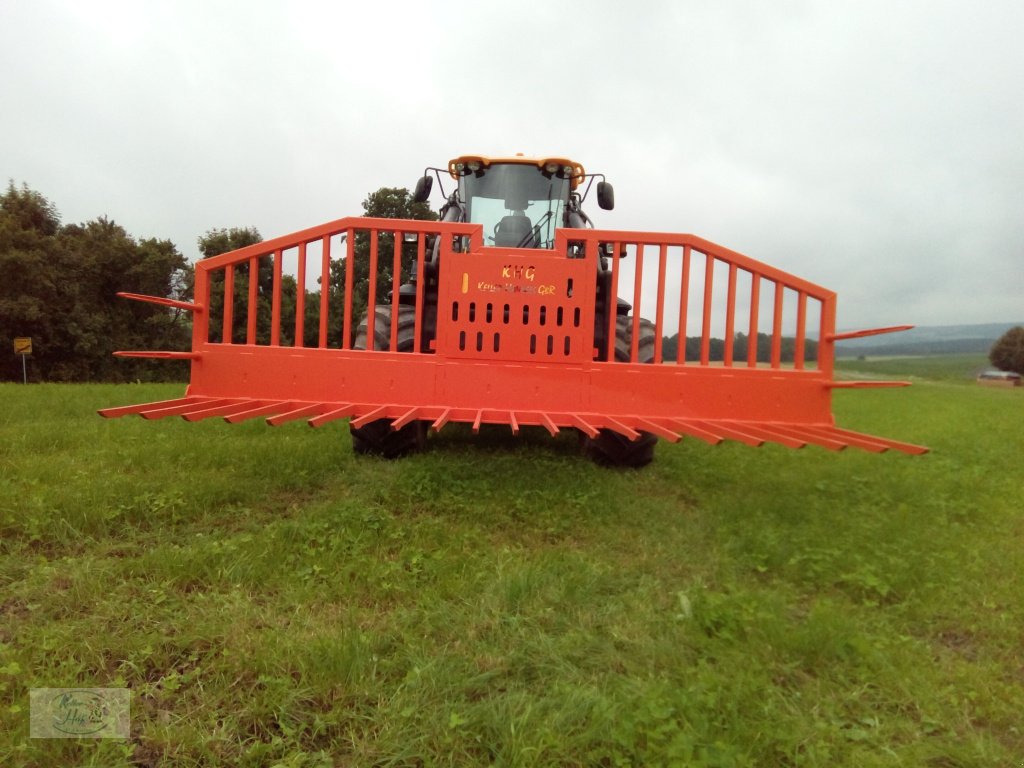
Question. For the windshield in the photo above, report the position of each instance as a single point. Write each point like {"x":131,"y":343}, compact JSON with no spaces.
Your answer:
{"x":518,"y":205}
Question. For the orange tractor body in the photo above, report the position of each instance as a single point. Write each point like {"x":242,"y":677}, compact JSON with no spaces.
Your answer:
{"x":539,"y":320}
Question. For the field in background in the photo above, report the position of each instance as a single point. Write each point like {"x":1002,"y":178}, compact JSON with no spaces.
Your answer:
{"x":960,"y":369}
{"x":272,"y":600}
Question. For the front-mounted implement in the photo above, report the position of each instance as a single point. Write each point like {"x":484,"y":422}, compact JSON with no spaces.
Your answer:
{"x":496,"y":316}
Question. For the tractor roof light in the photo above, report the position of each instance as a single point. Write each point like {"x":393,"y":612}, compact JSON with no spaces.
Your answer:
{"x":573,"y":171}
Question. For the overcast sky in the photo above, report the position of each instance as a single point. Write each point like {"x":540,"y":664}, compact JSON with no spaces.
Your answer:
{"x":875,"y":148}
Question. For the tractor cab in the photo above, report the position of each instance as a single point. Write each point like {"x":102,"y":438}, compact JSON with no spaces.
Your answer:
{"x":519,"y":201}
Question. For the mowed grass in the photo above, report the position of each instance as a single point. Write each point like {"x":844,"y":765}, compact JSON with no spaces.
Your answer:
{"x":272,"y":600}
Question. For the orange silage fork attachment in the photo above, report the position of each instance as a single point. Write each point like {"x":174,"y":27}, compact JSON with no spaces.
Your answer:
{"x":513,"y":341}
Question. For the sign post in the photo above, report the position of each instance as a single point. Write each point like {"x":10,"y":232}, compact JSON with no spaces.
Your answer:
{"x":23,"y":347}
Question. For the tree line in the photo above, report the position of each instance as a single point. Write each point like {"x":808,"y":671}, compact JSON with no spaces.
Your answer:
{"x":60,"y":285}
{"x":740,"y":345}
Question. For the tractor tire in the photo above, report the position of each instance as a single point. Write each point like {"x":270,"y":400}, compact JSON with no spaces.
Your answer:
{"x":377,"y":438}
{"x":610,"y":448}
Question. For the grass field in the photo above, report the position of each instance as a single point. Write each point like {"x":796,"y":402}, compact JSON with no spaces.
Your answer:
{"x":271,"y":600}
{"x":952,"y":368}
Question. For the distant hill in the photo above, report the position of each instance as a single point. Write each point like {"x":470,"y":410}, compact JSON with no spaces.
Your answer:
{"x":924,"y":340}
{"x":928,"y":340}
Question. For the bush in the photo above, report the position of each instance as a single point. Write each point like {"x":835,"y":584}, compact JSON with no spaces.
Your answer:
{"x":1007,"y":353}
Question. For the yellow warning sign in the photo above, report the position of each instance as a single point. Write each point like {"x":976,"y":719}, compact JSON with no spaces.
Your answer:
{"x":23,"y":345}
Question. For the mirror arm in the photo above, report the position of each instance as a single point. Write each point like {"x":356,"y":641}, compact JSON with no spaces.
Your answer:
{"x":590,"y":181}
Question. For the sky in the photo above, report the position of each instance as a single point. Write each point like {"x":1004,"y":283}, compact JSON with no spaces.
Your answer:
{"x":874,"y":148}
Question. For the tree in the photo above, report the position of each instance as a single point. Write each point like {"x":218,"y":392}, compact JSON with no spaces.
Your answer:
{"x":30,"y":211}
{"x":1007,"y":353}
{"x":60,"y":285}
{"x":29,"y":291}
{"x":215,"y":242}
{"x":101,"y":259}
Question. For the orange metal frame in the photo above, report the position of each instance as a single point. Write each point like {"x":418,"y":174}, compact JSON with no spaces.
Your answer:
{"x":515,"y":342}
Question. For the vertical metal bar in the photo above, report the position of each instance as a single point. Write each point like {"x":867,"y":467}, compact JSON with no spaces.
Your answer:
{"x":755,"y":301}
{"x":613,"y":304}
{"x":659,"y":315}
{"x":705,"y":331}
{"x":420,"y":256}
{"x":254,"y":276}
{"x":371,"y":295}
{"x":730,"y":317}
{"x":325,"y":288}
{"x":801,"y":330}
{"x":227,"y":335}
{"x":396,"y":275}
{"x":684,"y":300}
{"x":350,"y":268}
{"x":777,"y":327}
{"x":300,"y":298}
{"x":201,"y":320}
{"x":826,"y":347}
{"x":634,"y":344}
{"x":275,"y":302}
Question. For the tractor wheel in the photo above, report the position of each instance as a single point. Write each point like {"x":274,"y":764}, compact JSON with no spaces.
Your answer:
{"x":377,"y":437}
{"x":609,"y":447}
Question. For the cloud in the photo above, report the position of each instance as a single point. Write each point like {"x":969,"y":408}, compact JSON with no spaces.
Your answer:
{"x":871,"y":147}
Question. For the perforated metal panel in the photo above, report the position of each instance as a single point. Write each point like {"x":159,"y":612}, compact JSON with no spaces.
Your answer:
{"x":517,"y":305}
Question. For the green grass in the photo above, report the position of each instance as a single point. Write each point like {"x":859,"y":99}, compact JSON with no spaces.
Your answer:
{"x":272,"y":600}
{"x":953,"y":368}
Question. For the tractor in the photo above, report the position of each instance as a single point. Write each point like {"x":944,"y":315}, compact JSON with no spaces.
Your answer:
{"x":519,"y":202}
{"x":514,"y":309}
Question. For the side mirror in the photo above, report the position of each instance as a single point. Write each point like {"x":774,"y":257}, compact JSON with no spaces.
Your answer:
{"x":605,"y":195}
{"x":423,"y":187}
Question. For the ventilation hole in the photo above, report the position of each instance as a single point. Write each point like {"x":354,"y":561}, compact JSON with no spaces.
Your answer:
{"x":479,"y":341}
{"x":462,"y":341}
{"x":497,"y":342}
{"x":568,"y":288}
{"x":559,"y":317}
{"x":526,"y":315}
{"x":566,"y":346}
{"x":551,"y":345}
{"x":472,"y":311}
{"x":455,"y":311}
{"x":490,"y":307}
{"x":576,"y":317}
{"x":505,"y":316}
{"x":533,"y":344}
{"x":543,"y":315}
